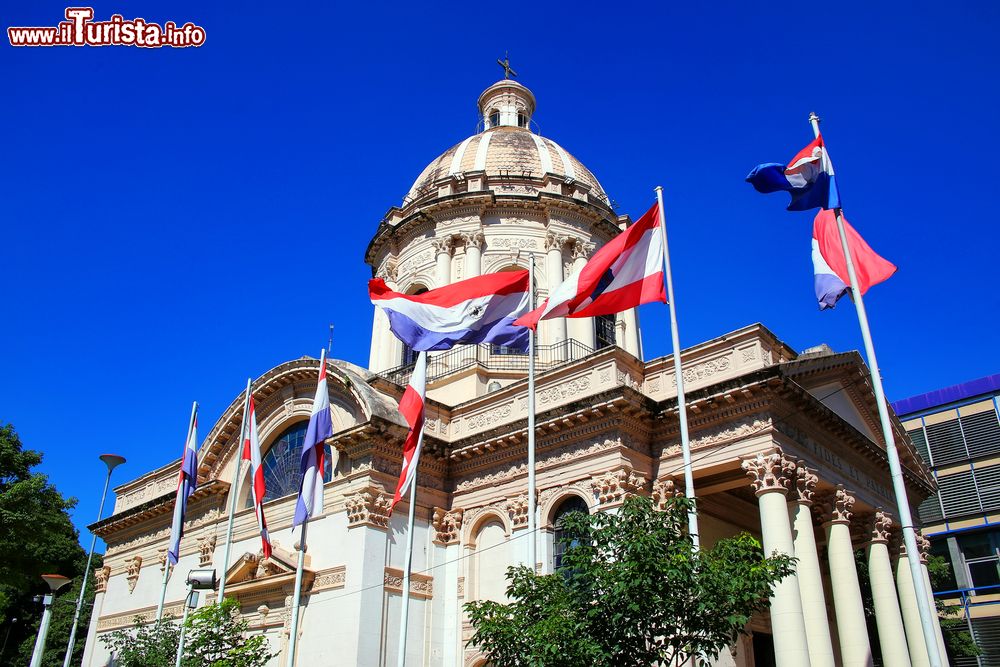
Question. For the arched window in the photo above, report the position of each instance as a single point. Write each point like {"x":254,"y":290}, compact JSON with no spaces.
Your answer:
{"x":522,"y":119}
{"x":409,"y":354}
{"x":495,"y":118}
{"x":281,"y":464}
{"x":571,"y":504}
{"x":604,"y":326}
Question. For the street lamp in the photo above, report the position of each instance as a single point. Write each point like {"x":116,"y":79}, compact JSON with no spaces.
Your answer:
{"x":55,"y":582}
{"x":112,"y":461}
{"x":197,"y":580}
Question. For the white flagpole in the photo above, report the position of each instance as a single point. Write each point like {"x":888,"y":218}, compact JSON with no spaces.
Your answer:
{"x":679,"y":376}
{"x":297,"y":596}
{"x":898,"y":484}
{"x":532,"y":527}
{"x":235,"y":487}
{"x":404,"y":614}
{"x":166,"y":564}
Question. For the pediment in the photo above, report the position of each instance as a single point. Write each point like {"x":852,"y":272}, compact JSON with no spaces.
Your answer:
{"x":843,"y":400}
{"x":255,"y":568}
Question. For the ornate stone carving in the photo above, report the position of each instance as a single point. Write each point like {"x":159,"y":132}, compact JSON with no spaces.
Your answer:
{"x":517,"y":509}
{"x":613,"y":487}
{"x":882,"y":527}
{"x":805,"y":485}
{"x":703,"y":370}
{"x":461,"y":587}
{"x":132,"y":567}
{"x":770,"y":472}
{"x":840,"y":507}
{"x":443,"y":245}
{"x":161,"y":558}
{"x":663,"y":490}
{"x":101,"y":576}
{"x":421,"y":585}
{"x":447,"y":525}
{"x":206,"y":549}
{"x":514,"y":242}
{"x":389,"y":272}
{"x":924,"y":546}
{"x":553,"y":241}
{"x":335,"y":577}
{"x":474,"y":239}
{"x":582,"y":250}
{"x":368,"y":508}
{"x":490,"y":417}
{"x":565,"y":390}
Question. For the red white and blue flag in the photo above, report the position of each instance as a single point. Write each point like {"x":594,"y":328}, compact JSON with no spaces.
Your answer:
{"x":187,"y":482}
{"x":830,"y":266}
{"x":809,"y":178}
{"x":411,"y":406}
{"x":251,"y":453}
{"x":477,"y":310}
{"x":310,"y":500}
{"x":625,"y":273}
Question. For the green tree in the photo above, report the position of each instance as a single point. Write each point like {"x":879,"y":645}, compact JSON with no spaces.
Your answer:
{"x":216,"y":636}
{"x":630,"y":591}
{"x":36,"y":537}
{"x":958,"y":642}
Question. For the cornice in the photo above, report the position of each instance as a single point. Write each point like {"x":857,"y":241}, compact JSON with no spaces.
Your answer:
{"x":155,"y":507}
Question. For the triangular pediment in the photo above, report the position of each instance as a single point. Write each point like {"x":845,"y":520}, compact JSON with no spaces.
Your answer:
{"x":252,"y":567}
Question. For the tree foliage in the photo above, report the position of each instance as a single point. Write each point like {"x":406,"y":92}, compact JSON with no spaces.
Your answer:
{"x":958,"y":642}
{"x":36,"y":537}
{"x":216,"y":636}
{"x":631,"y":591}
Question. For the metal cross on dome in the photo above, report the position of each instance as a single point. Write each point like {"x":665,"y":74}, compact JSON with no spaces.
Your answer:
{"x":505,"y":63}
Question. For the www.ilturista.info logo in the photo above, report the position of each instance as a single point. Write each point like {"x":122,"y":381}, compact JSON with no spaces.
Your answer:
{"x":79,"y":29}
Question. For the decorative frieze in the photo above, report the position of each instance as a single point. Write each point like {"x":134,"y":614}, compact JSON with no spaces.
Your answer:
{"x":770,"y":472}
{"x":570,"y":389}
{"x":703,"y":370}
{"x":805,"y":485}
{"x":206,"y":549}
{"x":101,"y":576}
{"x":612,"y":488}
{"x":447,"y":525}
{"x":335,"y":577}
{"x":132,"y":567}
{"x":421,"y":585}
{"x":881,"y":527}
{"x":368,"y":507}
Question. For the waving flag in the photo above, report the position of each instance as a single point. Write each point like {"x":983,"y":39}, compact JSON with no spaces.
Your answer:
{"x":625,"y":273}
{"x":411,"y":406}
{"x":251,"y":453}
{"x":310,"y":501}
{"x":830,"y":266}
{"x":187,"y":482}
{"x":808,"y":177}
{"x":477,"y":310}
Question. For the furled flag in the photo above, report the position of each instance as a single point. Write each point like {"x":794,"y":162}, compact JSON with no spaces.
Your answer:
{"x":251,"y":453}
{"x":310,"y":501}
{"x":477,"y":310}
{"x":626,"y":272}
{"x":187,"y":482}
{"x":411,"y":406}
{"x":830,"y":266}
{"x":808,"y":178}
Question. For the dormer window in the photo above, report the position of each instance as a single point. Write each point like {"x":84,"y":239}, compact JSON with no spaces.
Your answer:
{"x":495,"y":118}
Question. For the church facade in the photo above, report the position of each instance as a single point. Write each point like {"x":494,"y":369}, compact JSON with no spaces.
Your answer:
{"x":786,"y":446}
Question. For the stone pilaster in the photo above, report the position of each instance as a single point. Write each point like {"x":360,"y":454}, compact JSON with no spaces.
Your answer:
{"x":771,"y":476}
{"x":855,"y":649}
{"x":808,"y":570}
{"x":554,"y":277}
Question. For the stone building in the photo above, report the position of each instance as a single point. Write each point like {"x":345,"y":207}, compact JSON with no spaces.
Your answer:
{"x":786,"y":446}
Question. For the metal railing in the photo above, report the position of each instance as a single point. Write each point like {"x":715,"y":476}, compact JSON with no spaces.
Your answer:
{"x":491,"y":357}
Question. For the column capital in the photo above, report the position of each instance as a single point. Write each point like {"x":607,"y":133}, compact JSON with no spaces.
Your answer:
{"x":805,"y":485}
{"x":839,"y":506}
{"x":554,"y":242}
{"x":445,"y":244}
{"x":474,"y":239}
{"x":582,"y":250}
{"x":663,"y":490}
{"x":924,"y":546}
{"x":881,"y":527}
{"x":770,"y":472}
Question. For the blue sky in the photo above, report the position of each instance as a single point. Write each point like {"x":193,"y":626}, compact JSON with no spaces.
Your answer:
{"x":176,"y":220}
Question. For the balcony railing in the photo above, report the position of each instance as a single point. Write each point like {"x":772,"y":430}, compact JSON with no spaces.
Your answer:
{"x":492,"y":358}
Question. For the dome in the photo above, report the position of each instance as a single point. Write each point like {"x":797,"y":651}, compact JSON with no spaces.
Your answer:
{"x":506,"y":150}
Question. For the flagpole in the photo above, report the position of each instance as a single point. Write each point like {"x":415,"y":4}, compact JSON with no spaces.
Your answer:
{"x":898,"y":484}
{"x":404,"y":614}
{"x":293,"y":639}
{"x":679,"y":377}
{"x":236,"y":492}
{"x":166,"y":564}
{"x":532,"y":527}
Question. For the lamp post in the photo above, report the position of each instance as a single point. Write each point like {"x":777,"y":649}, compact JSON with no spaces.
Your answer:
{"x":112,"y":461}
{"x":55,"y":582}
{"x":196,"y":580}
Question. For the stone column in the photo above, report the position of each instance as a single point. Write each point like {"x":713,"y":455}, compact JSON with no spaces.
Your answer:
{"x":632,"y":342}
{"x":582,"y":328}
{"x":855,"y":650}
{"x":554,"y":277}
{"x":887,"y":616}
{"x":808,"y":571}
{"x":924,"y":545}
{"x":474,"y":242}
{"x":442,"y":255}
{"x":771,"y":476}
{"x":911,"y":614}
